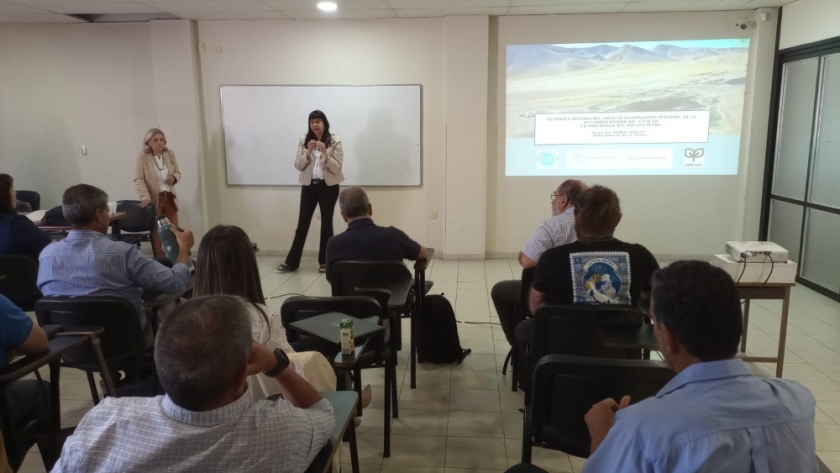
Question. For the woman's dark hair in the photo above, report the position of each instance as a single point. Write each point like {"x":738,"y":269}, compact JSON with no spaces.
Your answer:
{"x":227,"y":266}
{"x":326,"y":138}
{"x":6,"y":203}
{"x":597,"y":212}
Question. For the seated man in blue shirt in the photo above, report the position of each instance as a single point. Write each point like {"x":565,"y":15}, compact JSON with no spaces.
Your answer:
{"x":19,"y":335}
{"x":364,"y":240}
{"x":713,"y":415}
{"x":88,"y":263}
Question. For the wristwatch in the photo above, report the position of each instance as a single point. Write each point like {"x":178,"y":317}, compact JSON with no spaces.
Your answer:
{"x":282,"y":363}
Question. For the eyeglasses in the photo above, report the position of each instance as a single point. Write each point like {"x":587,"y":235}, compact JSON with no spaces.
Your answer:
{"x":553,"y":196}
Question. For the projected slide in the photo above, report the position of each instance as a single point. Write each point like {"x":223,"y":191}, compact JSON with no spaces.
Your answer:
{"x":641,"y":108}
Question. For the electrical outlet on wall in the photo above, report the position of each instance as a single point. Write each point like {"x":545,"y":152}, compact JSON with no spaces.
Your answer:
{"x":433,"y":216}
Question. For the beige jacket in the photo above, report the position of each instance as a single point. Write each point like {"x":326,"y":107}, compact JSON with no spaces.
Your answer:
{"x":146,"y":176}
{"x":332,"y":168}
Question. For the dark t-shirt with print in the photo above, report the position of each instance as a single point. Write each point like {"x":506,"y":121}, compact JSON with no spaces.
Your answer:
{"x":595,"y":272}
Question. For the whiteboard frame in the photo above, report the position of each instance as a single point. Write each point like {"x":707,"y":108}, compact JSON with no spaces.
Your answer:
{"x":381,"y":186}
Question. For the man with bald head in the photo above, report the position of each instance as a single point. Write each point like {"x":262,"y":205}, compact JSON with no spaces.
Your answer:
{"x":557,"y":230}
{"x":364,"y":240}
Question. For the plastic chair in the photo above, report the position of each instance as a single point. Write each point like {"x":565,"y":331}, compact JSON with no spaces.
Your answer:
{"x":123,"y":341}
{"x":136,"y":227}
{"x":565,"y":388}
{"x":18,"y":280}
{"x":521,"y":313}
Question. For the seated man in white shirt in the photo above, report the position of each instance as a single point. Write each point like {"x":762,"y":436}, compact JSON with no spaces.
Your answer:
{"x":204,"y":353}
{"x":557,"y":230}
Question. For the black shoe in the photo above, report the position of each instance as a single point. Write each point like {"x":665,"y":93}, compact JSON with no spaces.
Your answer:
{"x":285,"y":268}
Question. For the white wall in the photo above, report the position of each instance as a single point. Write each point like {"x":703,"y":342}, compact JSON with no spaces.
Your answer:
{"x":407,"y":51}
{"x":807,"y":21}
{"x":101,"y":86}
{"x":671,"y":215}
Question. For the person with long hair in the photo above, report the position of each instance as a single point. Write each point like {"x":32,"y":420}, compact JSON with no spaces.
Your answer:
{"x":320,"y":157}
{"x":155,"y":176}
{"x":18,"y":235}
{"x":227,"y":266}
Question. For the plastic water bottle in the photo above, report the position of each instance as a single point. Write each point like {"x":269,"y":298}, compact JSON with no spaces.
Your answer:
{"x":167,"y":238}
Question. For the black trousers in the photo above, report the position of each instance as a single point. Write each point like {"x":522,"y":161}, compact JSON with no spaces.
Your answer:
{"x":324,"y":196}
{"x":505,"y":295}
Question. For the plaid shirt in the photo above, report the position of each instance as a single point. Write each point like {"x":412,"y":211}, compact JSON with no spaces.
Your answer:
{"x":134,"y":434}
{"x":557,"y":230}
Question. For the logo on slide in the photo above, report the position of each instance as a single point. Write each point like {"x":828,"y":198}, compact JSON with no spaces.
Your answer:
{"x":547,"y":159}
{"x":695,"y":158}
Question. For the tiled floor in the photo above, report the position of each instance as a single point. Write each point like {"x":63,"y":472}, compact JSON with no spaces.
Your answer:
{"x":465,"y":418}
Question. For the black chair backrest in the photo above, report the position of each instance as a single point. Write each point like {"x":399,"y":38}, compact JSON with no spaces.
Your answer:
{"x":30,"y":197}
{"x":566,"y":387}
{"x":299,"y":308}
{"x":525,"y":294}
{"x":123,"y":342}
{"x":137,"y":219}
{"x":575,"y":329}
{"x":18,"y":277}
{"x":346,"y":276}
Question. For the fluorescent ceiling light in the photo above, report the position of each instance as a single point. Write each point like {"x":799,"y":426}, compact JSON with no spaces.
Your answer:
{"x":327,"y":6}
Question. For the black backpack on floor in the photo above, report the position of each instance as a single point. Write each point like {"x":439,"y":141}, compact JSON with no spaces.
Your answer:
{"x":438,"y":333}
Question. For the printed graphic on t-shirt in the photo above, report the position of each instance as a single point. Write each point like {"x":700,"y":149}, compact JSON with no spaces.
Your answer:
{"x":601,"y":277}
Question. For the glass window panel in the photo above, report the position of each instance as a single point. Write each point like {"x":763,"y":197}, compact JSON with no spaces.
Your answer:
{"x":785,"y":227}
{"x":821,"y":261}
{"x":824,"y":188}
{"x":796,"y":115}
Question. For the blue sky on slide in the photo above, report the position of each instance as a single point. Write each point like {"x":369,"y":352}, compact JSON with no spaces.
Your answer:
{"x":693,"y":43}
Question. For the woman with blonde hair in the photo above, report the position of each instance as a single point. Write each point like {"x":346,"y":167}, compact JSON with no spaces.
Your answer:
{"x":154,"y":178}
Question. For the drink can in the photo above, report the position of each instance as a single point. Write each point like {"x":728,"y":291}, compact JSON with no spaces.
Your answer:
{"x":348,"y":344}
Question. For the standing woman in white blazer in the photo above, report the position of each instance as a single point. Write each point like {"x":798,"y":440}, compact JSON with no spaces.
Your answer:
{"x":319,"y":158}
{"x":154,"y":178}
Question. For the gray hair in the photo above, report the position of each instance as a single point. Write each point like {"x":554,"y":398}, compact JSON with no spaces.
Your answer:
{"x":201,"y":348}
{"x":148,"y":137}
{"x":353,"y":202}
{"x":572,"y":188}
{"x":80,"y":203}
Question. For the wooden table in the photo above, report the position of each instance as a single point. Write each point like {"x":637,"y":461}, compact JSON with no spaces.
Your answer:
{"x":344,"y":406}
{"x":420,"y":290}
{"x":770,"y":291}
{"x":113,"y":221}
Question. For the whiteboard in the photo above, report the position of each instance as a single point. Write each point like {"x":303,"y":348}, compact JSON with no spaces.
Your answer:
{"x":379,"y":127}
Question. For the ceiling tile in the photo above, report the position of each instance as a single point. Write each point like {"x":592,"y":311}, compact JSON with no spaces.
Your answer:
{"x":249,"y":15}
{"x":682,"y":5}
{"x":534,"y":3}
{"x":434,"y":4}
{"x":6,"y":9}
{"x":342,"y":4}
{"x":57,"y":2}
{"x":211,"y":6}
{"x":39,"y":18}
{"x":569,"y":8}
{"x":94,"y":8}
{"x":339,"y":14}
{"x":436,"y":12}
{"x":750,"y":4}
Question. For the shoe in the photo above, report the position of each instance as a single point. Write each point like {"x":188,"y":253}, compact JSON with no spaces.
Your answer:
{"x":367,"y":396}
{"x":285,"y":268}
{"x":322,"y":268}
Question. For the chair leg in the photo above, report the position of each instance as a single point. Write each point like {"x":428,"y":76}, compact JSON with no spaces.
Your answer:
{"x":514,"y":375}
{"x":357,"y":385}
{"x":394,"y":396}
{"x":387,"y":441}
{"x":507,"y":360}
{"x":354,"y":449}
{"x":526,"y":436}
{"x":92,"y":383}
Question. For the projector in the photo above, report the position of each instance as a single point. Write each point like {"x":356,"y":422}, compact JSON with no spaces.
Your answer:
{"x":752,"y":273}
{"x":756,"y":251}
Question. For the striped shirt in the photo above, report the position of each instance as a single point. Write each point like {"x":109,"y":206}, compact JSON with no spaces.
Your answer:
{"x":555,"y":231}
{"x":88,"y":263}
{"x":146,"y":434}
